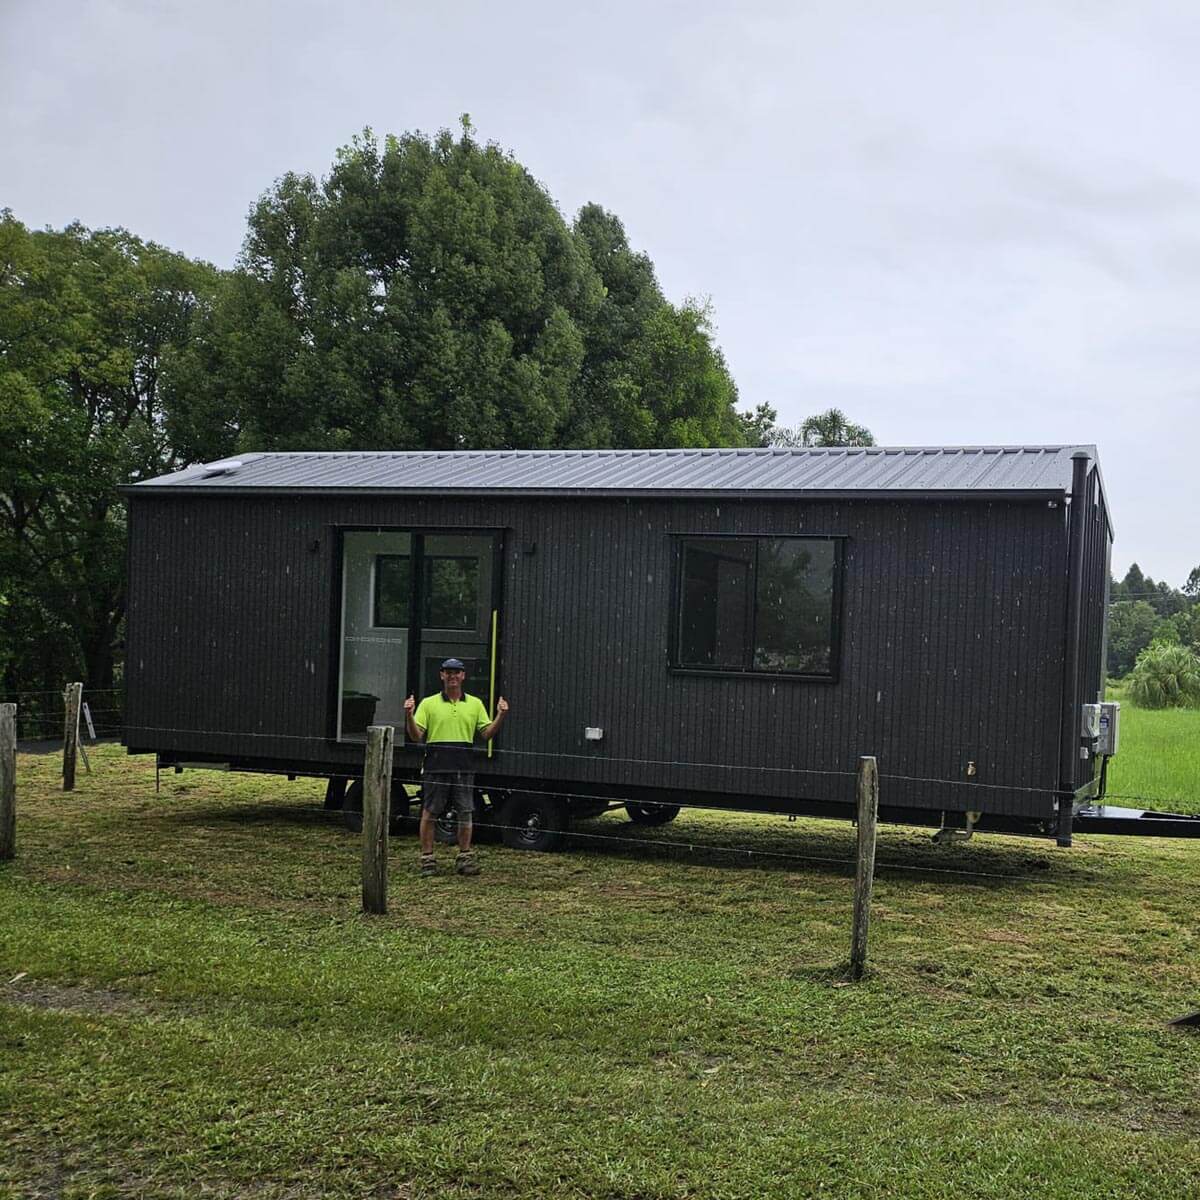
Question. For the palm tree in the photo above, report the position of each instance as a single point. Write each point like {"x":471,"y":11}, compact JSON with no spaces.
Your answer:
{"x":829,"y":428}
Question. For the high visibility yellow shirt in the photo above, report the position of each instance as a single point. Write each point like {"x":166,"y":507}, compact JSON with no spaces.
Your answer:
{"x":450,"y":720}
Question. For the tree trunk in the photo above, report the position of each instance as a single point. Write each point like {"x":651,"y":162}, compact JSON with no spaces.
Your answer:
{"x":99,"y":655}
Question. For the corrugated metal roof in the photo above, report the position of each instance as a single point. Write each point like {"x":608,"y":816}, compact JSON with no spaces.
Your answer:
{"x":875,"y":470}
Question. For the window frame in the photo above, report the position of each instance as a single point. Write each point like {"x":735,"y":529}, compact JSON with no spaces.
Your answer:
{"x":675,"y":641}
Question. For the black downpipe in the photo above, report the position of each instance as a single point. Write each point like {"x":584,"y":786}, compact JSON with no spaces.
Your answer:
{"x":1070,"y":742}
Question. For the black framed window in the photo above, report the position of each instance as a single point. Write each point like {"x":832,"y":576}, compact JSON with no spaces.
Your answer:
{"x":759,"y":605}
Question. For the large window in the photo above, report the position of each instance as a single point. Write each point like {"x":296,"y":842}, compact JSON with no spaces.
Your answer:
{"x":758,"y":605}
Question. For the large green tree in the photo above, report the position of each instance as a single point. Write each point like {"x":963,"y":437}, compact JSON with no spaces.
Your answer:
{"x":428,"y":294}
{"x":1132,"y":625}
{"x":88,"y":323}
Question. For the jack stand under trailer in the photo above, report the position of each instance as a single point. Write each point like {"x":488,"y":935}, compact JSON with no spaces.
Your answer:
{"x":952,"y":833}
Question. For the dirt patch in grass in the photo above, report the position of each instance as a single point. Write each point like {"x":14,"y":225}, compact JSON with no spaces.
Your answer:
{"x":87,"y":1001}
{"x":89,"y":1171}
{"x":1009,"y":937}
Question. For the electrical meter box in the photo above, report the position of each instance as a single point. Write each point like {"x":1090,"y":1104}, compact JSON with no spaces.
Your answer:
{"x":1110,"y":728}
{"x":1089,"y":726}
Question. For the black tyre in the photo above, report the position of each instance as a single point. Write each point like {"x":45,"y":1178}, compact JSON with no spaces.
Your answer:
{"x":532,"y":821}
{"x":650,"y":813}
{"x":352,"y":804}
{"x":488,"y":807}
{"x":401,"y":809}
{"x":352,"y":807}
{"x":445,"y":827}
{"x":335,"y":792}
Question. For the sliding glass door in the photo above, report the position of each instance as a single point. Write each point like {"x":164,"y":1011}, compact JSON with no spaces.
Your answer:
{"x":409,"y":600}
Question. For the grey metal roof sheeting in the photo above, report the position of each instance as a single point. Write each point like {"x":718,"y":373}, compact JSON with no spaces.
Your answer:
{"x":942,"y":470}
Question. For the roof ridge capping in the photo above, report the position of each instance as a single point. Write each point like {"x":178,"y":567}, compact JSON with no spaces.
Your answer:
{"x":663,"y":451}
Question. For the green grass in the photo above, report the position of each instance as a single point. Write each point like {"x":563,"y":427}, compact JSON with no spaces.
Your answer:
{"x":1158,"y":761}
{"x":205,"y":1012}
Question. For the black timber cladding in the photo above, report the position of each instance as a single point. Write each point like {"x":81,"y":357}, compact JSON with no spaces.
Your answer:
{"x":1097,"y":553}
{"x":951,"y":650}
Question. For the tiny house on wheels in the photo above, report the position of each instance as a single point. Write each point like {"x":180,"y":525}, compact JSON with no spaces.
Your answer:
{"x":730,"y":628}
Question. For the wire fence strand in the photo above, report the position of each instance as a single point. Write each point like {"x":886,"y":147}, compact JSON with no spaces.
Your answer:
{"x":50,"y":725}
{"x":679,"y":764}
{"x":749,"y":852}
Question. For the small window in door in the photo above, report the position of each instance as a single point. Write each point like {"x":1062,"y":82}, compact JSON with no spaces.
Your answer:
{"x":393,"y":585}
{"x":451,"y":592}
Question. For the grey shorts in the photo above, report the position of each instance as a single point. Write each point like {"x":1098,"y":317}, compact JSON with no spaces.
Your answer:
{"x":440,"y":788}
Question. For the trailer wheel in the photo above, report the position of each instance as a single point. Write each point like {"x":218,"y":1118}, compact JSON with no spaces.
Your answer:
{"x":445,"y":827}
{"x":533,"y":821}
{"x":352,"y":804}
{"x":488,"y":808}
{"x":400,"y":809}
{"x":352,"y":807}
{"x":651,"y":813}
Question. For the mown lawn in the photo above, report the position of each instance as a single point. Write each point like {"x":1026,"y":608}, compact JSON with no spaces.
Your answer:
{"x":201,"y":1010}
{"x":1158,"y":763}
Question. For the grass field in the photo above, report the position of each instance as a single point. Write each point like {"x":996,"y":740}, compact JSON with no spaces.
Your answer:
{"x":197,"y":1008}
{"x":1159,"y":758}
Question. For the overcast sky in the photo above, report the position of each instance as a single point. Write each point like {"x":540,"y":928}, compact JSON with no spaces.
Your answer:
{"x":963,"y":223}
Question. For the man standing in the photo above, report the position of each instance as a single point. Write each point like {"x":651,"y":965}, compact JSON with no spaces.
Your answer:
{"x":447,"y":723}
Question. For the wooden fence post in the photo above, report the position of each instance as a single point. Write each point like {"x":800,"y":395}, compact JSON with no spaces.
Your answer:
{"x":377,"y":795}
{"x":71,"y":697}
{"x":864,"y":873}
{"x":8,"y":781}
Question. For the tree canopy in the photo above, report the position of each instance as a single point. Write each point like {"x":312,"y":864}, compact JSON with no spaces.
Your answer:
{"x":428,"y":294}
{"x":89,"y":323}
{"x":1143,"y":613}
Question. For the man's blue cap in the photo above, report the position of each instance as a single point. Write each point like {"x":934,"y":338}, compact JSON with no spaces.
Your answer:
{"x":453,"y":664}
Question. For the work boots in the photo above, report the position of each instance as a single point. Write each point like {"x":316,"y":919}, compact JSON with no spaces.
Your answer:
{"x":465,"y":863}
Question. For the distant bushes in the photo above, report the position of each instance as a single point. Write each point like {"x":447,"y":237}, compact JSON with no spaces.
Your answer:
{"x":1166,"y":676}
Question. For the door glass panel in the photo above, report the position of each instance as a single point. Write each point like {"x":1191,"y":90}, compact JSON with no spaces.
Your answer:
{"x":451,"y":592}
{"x":376,"y":586}
{"x":457,"y":609}
{"x":393,"y":590}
